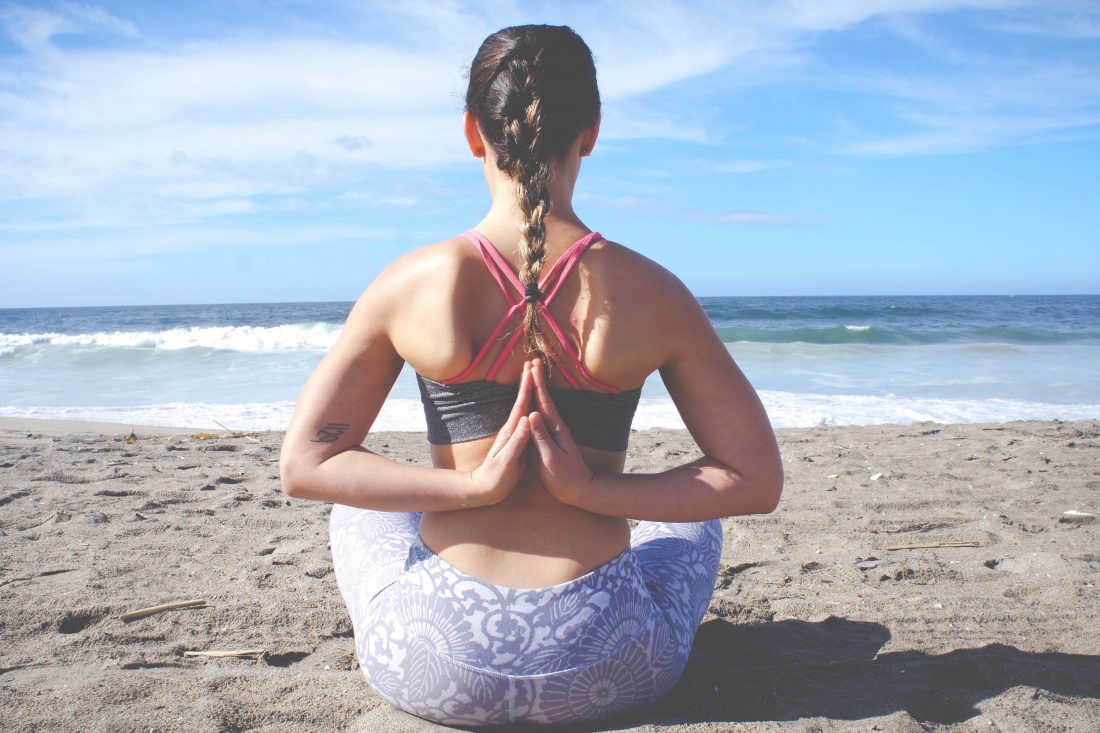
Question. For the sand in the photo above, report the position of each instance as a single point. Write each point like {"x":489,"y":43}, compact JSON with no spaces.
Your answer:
{"x":822,"y":619}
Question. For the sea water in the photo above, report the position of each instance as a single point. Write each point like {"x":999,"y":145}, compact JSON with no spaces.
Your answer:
{"x":814,"y":361}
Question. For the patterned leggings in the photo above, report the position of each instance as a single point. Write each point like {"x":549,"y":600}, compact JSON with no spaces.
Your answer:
{"x":450,"y":648}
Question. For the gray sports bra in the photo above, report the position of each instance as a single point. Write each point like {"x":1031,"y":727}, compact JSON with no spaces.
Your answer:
{"x":457,"y":411}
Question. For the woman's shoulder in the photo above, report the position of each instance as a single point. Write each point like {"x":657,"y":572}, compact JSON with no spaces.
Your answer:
{"x":423,"y":277}
{"x":631,"y":272}
{"x":426,"y":265}
{"x":637,"y":308}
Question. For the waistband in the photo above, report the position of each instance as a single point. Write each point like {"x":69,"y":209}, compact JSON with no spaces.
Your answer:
{"x":518,"y":631}
{"x":622,"y":565}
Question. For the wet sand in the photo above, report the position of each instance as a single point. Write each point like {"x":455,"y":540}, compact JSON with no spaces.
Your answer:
{"x":915,"y":578}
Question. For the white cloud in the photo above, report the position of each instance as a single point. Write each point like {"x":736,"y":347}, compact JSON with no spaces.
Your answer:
{"x":208,"y":121}
{"x":34,"y":28}
{"x":158,"y":130}
{"x":369,"y":198}
{"x":1077,"y":19}
{"x":986,"y":103}
{"x":737,"y":167}
{"x":758,"y":218}
{"x":140,"y":241}
{"x":668,"y":209}
{"x":31,"y":28}
{"x":95,"y":17}
{"x":975,"y":133}
{"x":625,"y":121}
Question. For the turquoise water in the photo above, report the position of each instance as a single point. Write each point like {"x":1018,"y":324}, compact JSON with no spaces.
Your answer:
{"x":815,"y":361}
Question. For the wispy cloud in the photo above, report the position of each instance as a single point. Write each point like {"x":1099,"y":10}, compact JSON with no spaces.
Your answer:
{"x":976,"y":97}
{"x":34,"y":28}
{"x":966,"y":134}
{"x":761,"y":218}
{"x":141,"y":129}
{"x":735,"y":167}
{"x":260,"y":115}
{"x":1072,"y":19}
{"x":143,"y":241}
{"x":675,"y":210}
{"x":984,"y":110}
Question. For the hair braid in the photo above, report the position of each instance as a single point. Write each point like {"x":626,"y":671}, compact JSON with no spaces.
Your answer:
{"x":533,"y":90}
{"x":532,"y":178}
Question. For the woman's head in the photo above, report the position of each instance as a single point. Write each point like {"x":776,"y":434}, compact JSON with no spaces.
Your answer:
{"x":532,"y":92}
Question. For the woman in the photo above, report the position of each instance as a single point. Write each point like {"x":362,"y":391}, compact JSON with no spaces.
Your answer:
{"x":504,"y":583}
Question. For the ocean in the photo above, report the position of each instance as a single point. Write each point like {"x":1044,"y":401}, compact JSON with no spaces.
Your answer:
{"x":816,"y":361}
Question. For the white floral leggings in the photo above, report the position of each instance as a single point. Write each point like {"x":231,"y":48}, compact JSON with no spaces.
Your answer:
{"x":450,"y":648}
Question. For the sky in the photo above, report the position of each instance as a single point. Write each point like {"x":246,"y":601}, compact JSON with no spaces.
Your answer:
{"x":220,"y":151}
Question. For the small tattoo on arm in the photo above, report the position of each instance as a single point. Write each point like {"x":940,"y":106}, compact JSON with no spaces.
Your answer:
{"x":331,"y":432}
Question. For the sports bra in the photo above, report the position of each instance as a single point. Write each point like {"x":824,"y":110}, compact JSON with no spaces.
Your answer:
{"x":457,"y":411}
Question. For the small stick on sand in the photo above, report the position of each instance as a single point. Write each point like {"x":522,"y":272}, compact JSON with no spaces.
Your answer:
{"x":237,"y":432}
{"x":230,"y":653}
{"x":142,"y":612}
{"x":44,"y":521}
{"x":949,"y":543}
{"x":12,"y":580}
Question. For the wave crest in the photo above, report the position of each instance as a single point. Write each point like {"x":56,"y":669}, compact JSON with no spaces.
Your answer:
{"x":287,"y":337}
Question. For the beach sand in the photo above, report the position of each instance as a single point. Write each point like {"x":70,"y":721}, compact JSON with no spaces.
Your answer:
{"x":822,"y":619}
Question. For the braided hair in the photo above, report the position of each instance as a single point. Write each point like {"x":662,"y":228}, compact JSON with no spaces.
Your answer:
{"x":532,"y":91}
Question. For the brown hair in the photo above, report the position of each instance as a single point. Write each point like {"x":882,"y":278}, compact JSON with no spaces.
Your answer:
{"x":532,"y":91}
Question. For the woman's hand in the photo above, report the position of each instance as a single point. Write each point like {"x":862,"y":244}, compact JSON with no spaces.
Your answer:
{"x":560,"y":465}
{"x":499,"y":473}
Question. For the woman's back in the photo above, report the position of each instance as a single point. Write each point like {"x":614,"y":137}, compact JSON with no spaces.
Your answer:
{"x":609,"y":308}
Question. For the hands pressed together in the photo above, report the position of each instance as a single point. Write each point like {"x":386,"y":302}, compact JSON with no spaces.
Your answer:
{"x":541,"y":437}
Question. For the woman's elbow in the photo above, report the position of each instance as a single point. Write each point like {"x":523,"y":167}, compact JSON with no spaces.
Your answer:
{"x":759,"y":490}
{"x":768,"y":470}
{"x":770,"y":482}
{"x":770,"y":492}
{"x":292,"y":475}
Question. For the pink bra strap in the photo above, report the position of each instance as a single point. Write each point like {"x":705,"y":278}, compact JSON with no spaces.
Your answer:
{"x":503,"y":275}
{"x":565,"y":265}
{"x":496,"y":264}
{"x":561,"y":270}
{"x":572,"y":355}
{"x":485,"y":348}
{"x":502,"y":272}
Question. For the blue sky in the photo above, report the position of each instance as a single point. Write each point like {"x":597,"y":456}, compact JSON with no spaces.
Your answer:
{"x":241,"y":150}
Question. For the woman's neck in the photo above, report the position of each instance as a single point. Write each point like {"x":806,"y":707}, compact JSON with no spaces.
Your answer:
{"x":504,"y":214}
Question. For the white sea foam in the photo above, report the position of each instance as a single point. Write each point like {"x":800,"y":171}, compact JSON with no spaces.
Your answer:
{"x":287,"y":337}
{"x":790,"y":409}
{"x":786,"y":410}
{"x":858,"y":328}
{"x":795,"y":410}
{"x":192,"y":415}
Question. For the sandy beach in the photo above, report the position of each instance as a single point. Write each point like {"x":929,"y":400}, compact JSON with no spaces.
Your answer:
{"x":915,"y":578}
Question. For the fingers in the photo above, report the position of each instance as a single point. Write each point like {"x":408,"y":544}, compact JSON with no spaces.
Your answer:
{"x":516,"y":444}
{"x":562,"y":472}
{"x":498,"y":474}
{"x":542,"y":395}
{"x":541,"y":437}
{"x":519,"y":409}
{"x":523,"y":396}
{"x":555,"y":425}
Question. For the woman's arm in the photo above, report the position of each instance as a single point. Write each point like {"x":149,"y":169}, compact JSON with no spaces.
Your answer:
{"x":741,"y":471}
{"x":322,"y":456}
